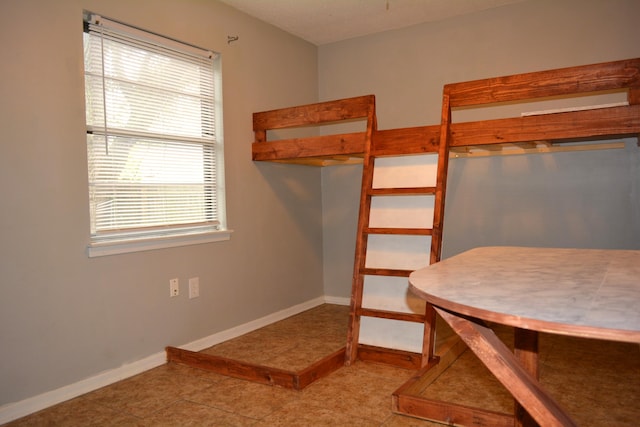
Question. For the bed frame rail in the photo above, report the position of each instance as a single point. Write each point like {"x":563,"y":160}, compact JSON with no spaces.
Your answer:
{"x":314,"y":150}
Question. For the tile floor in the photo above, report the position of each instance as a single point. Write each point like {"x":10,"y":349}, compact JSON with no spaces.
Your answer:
{"x":604,"y":392}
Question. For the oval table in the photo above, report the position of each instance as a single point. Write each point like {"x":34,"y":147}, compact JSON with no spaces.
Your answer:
{"x":589,"y":293}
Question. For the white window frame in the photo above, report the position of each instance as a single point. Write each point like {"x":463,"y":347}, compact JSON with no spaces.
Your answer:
{"x":126,"y":240}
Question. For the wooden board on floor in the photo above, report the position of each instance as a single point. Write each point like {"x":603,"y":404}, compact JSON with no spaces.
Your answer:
{"x":296,"y":380}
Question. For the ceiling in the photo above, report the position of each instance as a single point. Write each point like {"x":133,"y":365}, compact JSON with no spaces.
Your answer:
{"x":327,"y":21}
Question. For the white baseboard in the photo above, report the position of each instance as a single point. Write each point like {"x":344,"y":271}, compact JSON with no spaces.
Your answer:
{"x":337,"y":300}
{"x":13,"y":411}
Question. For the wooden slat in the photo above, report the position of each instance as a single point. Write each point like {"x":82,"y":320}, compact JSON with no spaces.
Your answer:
{"x":322,"y":112}
{"x":413,"y":140}
{"x":328,"y":145}
{"x":394,"y":315}
{"x":634,"y":95}
{"x":322,"y":161}
{"x":320,"y":369}
{"x":404,"y":191}
{"x":563,"y":81}
{"x":614,"y":121}
{"x":233,"y":368}
{"x":477,"y":151}
{"x":451,"y":414}
{"x":258,"y":373}
{"x":386,"y":272}
{"x":389,"y":356}
{"x":400,"y":231}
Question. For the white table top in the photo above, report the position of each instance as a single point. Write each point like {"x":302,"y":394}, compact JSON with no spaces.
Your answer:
{"x":583,"y":292}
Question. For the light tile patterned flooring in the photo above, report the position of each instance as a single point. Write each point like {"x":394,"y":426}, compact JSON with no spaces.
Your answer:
{"x":598,"y":382}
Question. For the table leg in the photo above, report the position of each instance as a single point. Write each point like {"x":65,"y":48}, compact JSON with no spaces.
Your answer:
{"x":429,"y":339}
{"x":526,"y":352}
{"x":502,"y":363}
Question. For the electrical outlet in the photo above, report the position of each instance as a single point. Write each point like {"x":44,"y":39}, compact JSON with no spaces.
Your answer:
{"x":174,"y":287}
{"x":194,"y":287}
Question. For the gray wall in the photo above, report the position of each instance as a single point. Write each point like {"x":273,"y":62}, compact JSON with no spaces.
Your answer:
{"x":587,"y":199}
{"x":65,"y":317}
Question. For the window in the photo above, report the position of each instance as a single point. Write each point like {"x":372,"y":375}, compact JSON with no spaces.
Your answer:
{"x":154,"y":140}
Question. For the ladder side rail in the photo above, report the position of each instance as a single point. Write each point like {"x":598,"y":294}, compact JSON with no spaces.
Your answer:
{"x":428,"y":340}
{"x":357,"y":288}
{"x":441,"y":180}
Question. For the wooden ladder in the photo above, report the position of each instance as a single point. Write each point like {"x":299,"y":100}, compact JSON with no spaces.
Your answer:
{"x":383,"y":144}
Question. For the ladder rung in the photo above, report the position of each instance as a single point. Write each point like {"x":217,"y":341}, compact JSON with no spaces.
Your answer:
{"x":403,"y":191}
{"x":409,"y":231}
{"x":394,"y":315}
{"x":386,"y":272}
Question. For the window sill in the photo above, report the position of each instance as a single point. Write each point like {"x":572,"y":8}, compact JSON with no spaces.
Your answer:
{"x":115,"y":248}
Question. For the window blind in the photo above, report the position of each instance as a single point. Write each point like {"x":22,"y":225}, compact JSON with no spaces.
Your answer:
{"x":151,"y":134}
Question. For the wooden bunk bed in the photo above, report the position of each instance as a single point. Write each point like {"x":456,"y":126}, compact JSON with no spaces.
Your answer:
{"x":553,"y":128}
{"x":526,"y":132}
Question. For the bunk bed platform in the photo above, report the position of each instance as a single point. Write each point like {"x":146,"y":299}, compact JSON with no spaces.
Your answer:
{"x":529,"y":133}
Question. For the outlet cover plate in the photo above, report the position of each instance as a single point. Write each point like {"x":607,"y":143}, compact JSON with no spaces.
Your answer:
{"x":194,"y":287}
{"x":174,"y":287}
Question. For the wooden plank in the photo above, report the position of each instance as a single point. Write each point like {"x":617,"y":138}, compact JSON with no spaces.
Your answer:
{"x":451,"y":413}
{"x":604,"y":122}
{"x":386,"y":272}
{"x":429,"y":336}
{"x":320,"y":369}
{"x":328,"y":145}
{"x":260,"y":136}
{"x":395,"y":315}
{"x":560,"y":148}
{"x":389,"y":356}
{"x":321,"y":112}
{"x":322,"y":161}
{"x":634,"y":96}
{"x":505,"y":367}
{"x":563,"y":81}
{"x":403,"y":191}
{"x":405,"y":141}
{"x":259,"y":373}
{"x":233,"y":368}
{"x":400,"y":231}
